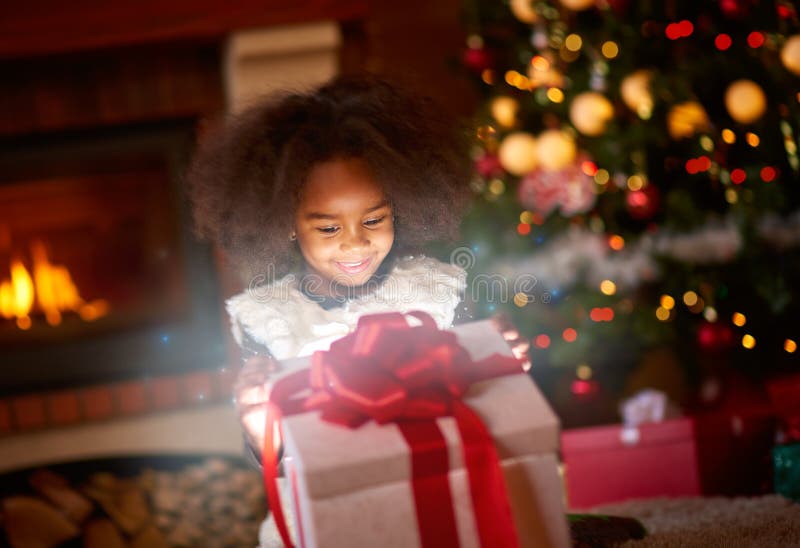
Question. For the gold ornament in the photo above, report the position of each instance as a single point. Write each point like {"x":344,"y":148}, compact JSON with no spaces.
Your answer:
{"x":523,"y":10}
{"x":790,"y":54}
{"x":684,"y":120}
{"x":517,"y":153}
{"x":590,"y":112}
{"x":555,"y":149}
{"x":745,"y":101}
{"x":577,"y":5}
{"x":504,"y":109}
{"x":635,"y":91}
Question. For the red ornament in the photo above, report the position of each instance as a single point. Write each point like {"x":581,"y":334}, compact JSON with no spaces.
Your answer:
{"x":643,"y":204}
{"x":569,"y":189}
{"x":619,"y":6}
{"x":714,"y":337}
{"x":488,"y":165}
{"x":735,"y":9}
{"x":478,"y":59}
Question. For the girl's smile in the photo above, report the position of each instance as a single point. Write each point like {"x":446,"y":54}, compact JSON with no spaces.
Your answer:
{"x":344,"y":225}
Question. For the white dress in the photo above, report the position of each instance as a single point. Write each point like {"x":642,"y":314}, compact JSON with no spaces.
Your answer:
{"x":290,"y":324}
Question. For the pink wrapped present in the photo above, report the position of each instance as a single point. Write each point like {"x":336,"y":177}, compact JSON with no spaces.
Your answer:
{"x":424,"y":446}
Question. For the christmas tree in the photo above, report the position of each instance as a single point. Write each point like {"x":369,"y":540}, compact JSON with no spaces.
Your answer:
{"x":637,"y":187}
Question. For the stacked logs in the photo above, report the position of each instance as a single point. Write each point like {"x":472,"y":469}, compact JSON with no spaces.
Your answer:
{"x":214,"y":504}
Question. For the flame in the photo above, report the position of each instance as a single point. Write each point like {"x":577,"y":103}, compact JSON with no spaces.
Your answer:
{"x":51,"y":288}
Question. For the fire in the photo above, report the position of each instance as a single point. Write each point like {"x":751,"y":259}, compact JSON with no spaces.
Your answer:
{"x":50,"y":288}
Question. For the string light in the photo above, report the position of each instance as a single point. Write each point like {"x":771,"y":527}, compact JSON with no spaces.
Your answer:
{"x":583,"y":372}
{"x":752,"y":139}
{"x":710,"y":314}
{"x":520,"y":299}
{"x":723,"y":42}
{"x":662,"y":313}
{"x":573,"y":42}
{"x":739,"y":319}
{"x":616,"y":242}
{"x":542,"y":341}
{"x":755,"y":39}
{"x":731,"y":196}
{"x":768,"y":174}
{"x":667,"y":302}
{"x":605,"y":314}
{"x":635,"y":182}
{"x":749,"y":342}
{"x":526,"y":217}
{"x":738,"y":176}
{"x":790,"y":346}
{"x":728,"y":136}
{"x":555,"y":95}
{"x":601,"y":177}
{"x":523,"y":229}
{"x":610,"y":49}
{"x":607,"y":287}
{"x":497,"y":186}
{"x":690,"y":298}
{"x":589,"y":168}
{"x":569,"y":335}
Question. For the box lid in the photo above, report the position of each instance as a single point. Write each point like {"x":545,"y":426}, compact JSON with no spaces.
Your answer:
{"x":334,"y":459}
{"x":614,"y":436}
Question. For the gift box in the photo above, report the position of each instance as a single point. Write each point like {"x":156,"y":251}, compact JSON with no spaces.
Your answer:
{"x":612,"y":463}
{"x":365,"y":486}
{"x":784,"y":395}
{"x":734,"y":449}
{"x":786,"y":460}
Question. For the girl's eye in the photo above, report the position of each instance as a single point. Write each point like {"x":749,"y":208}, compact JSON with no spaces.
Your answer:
{"x":373,"y":222}
{"x":328,"y":229}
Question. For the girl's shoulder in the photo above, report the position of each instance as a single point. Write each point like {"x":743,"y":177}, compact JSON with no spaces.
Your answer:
{"x":270,"y":313}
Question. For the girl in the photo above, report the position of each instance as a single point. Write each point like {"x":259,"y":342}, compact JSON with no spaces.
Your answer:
{"x":325,"y":200}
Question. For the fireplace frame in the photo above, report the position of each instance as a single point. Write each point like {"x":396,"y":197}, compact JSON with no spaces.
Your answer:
{"x":190,"y":339}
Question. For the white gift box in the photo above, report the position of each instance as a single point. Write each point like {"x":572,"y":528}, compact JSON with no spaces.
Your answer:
{"x":352,"y":487}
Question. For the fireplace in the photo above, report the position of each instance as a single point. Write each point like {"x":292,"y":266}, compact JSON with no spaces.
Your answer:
{"x":100,"y":276}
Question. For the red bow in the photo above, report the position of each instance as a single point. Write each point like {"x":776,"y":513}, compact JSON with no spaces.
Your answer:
{"x":388,"y":371}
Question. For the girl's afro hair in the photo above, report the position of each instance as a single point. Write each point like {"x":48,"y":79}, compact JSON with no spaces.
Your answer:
{"x":245,"y":178}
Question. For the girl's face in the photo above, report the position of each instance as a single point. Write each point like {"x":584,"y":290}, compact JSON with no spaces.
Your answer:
{"x":344,"y":224}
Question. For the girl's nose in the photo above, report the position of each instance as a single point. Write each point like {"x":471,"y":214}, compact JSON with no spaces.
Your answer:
{"x":355,"y":238}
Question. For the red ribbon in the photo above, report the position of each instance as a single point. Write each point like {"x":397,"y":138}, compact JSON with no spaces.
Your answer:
{"x":389,"y":371}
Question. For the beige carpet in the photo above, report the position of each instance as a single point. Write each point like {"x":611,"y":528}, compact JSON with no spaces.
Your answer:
{"x":763,"y":522}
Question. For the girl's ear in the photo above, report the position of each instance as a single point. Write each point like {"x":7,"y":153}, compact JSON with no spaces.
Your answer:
{"x":293,"y":236}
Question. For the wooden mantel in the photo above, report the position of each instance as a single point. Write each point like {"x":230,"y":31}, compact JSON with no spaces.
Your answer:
{"x":42,"y":27}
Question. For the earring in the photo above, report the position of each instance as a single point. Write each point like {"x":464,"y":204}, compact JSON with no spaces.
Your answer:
{"x":292,"y":236}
